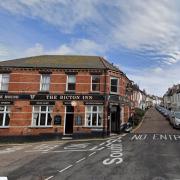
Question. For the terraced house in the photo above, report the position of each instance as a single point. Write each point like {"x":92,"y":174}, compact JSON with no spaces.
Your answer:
{"x":54,"y":96}
{"x":171,"y":98}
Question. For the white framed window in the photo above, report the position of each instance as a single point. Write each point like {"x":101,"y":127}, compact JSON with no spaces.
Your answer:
{"x":94,"y":116}
{"x":4,"y":82}
{"x":95,"y":83}
{"x":45,"y":82}
{"x":41,"y":116}
{"x":71,"y":83}
{"x":4,"y":116}
{"x":114,"y":85}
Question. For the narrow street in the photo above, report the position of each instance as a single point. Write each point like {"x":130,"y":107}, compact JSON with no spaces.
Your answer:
{"x":154,"y":122}
{"x":151,"y":153}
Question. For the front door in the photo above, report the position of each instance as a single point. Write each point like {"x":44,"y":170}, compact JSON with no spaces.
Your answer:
{"x":69,"y":119}
{"x":115,"y":119}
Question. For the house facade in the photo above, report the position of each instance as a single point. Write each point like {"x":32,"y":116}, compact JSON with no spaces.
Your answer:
{"x":55,"y":96}
{"x":171,"y":99}
{"x":139,"y":97}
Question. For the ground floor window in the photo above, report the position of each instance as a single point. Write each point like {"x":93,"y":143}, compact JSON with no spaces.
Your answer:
{"x":4,"y":116}
{"x":94,"y":116}
{"x":41,"y":116}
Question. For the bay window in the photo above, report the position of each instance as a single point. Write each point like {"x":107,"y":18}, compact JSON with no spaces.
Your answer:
{"x":94,"y":116}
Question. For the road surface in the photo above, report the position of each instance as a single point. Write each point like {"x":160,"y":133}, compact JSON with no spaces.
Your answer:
{"x":151,"y":153}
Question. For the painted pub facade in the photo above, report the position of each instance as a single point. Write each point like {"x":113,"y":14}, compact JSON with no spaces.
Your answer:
{"x":78,"y":96}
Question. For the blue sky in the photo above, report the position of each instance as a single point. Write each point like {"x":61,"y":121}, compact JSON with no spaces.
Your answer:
{"x":141,"y":37}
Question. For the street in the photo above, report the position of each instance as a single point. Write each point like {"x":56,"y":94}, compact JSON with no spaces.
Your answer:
{"x":150,"y":153}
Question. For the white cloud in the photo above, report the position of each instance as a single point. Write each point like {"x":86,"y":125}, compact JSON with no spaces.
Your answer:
{"x":150,"y":25}
{"x":155,"y":80}
{"x":76,"y":47}
{"x":139,"y":25}
{"x":80,"y":46}
{"x":38,"y":49}
{"x":65,"y":14}
{"x":3,"y":50}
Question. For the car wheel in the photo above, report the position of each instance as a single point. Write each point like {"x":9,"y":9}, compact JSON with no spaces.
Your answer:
{"x":174,"y":126}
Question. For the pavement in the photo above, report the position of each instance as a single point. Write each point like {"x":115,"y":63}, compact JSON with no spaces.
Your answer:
{"x":150,"y":153}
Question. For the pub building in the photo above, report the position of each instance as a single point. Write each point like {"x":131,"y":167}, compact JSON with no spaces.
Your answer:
{"x":53,"y":96}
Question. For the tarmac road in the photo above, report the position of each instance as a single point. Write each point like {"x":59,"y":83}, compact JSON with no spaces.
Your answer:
{"x":136,"y":156}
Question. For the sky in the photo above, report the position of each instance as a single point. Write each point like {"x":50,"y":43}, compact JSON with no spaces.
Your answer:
{"x":141,"y":37}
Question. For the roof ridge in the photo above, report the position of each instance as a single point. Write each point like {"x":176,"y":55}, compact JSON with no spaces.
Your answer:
{"x":102,"y":60}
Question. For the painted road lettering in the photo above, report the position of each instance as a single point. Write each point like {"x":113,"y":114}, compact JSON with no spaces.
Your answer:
{"x":43,"y":148}
{"x":139,"y":137}
{"x":11,"y":149}
{"x":156,"y":137}
{"x":76,"y":146}
{"x":116,"y":155}
{"x":165,"y":137}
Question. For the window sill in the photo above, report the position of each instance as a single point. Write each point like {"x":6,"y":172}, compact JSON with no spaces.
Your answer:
{"x":93,"y":127}
{"x":3,"y":91}
{"x":4,"y":127}
{"x":95,"y":92}
{"x":43,"y":92}
{"x":114,"y":93}
{"x":37,"y":127}
{"x":70,"y":92}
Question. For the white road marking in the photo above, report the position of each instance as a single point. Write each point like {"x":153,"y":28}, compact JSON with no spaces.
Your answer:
{"x":43,"y":148}
{"x":49,"y":178}
{"x":100,"y":148}
{"x":123,"y":135}
{"x":102,"y":143}
{"x":11,"y":149}
{"x":77,"y":146}
{"x":93,"y":148}
{"x":65,"y":168}
{"x":80,"y":160}
{"x":92,"y":154}
{"x":80,"y":150}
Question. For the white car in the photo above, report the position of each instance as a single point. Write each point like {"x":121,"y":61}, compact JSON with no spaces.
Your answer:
{"x":175,"y":119}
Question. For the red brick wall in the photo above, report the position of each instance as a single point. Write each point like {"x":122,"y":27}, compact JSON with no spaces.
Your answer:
{"x":28,"y":81}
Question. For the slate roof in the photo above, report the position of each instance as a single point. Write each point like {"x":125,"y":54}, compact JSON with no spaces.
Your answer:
{"x":60,"y":61}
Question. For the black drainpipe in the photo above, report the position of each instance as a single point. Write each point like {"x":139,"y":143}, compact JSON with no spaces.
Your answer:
{"x":105,"y":101}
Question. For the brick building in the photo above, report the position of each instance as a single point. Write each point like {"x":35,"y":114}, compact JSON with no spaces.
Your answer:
{"x":53,"y":96}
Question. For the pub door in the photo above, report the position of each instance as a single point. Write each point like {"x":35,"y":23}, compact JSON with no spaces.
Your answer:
{"x":115,"y":119}
{"x":69,"y":120}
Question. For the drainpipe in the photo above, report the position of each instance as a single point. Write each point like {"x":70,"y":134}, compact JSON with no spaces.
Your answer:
{"x":105,"y":101}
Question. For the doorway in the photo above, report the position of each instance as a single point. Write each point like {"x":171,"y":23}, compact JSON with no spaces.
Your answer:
{"x":69,"y":120}
{"x":115,"y":119}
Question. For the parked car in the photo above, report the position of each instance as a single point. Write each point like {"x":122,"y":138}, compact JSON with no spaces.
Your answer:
{"x":175,"y":119}
{"x":166,"y":113}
